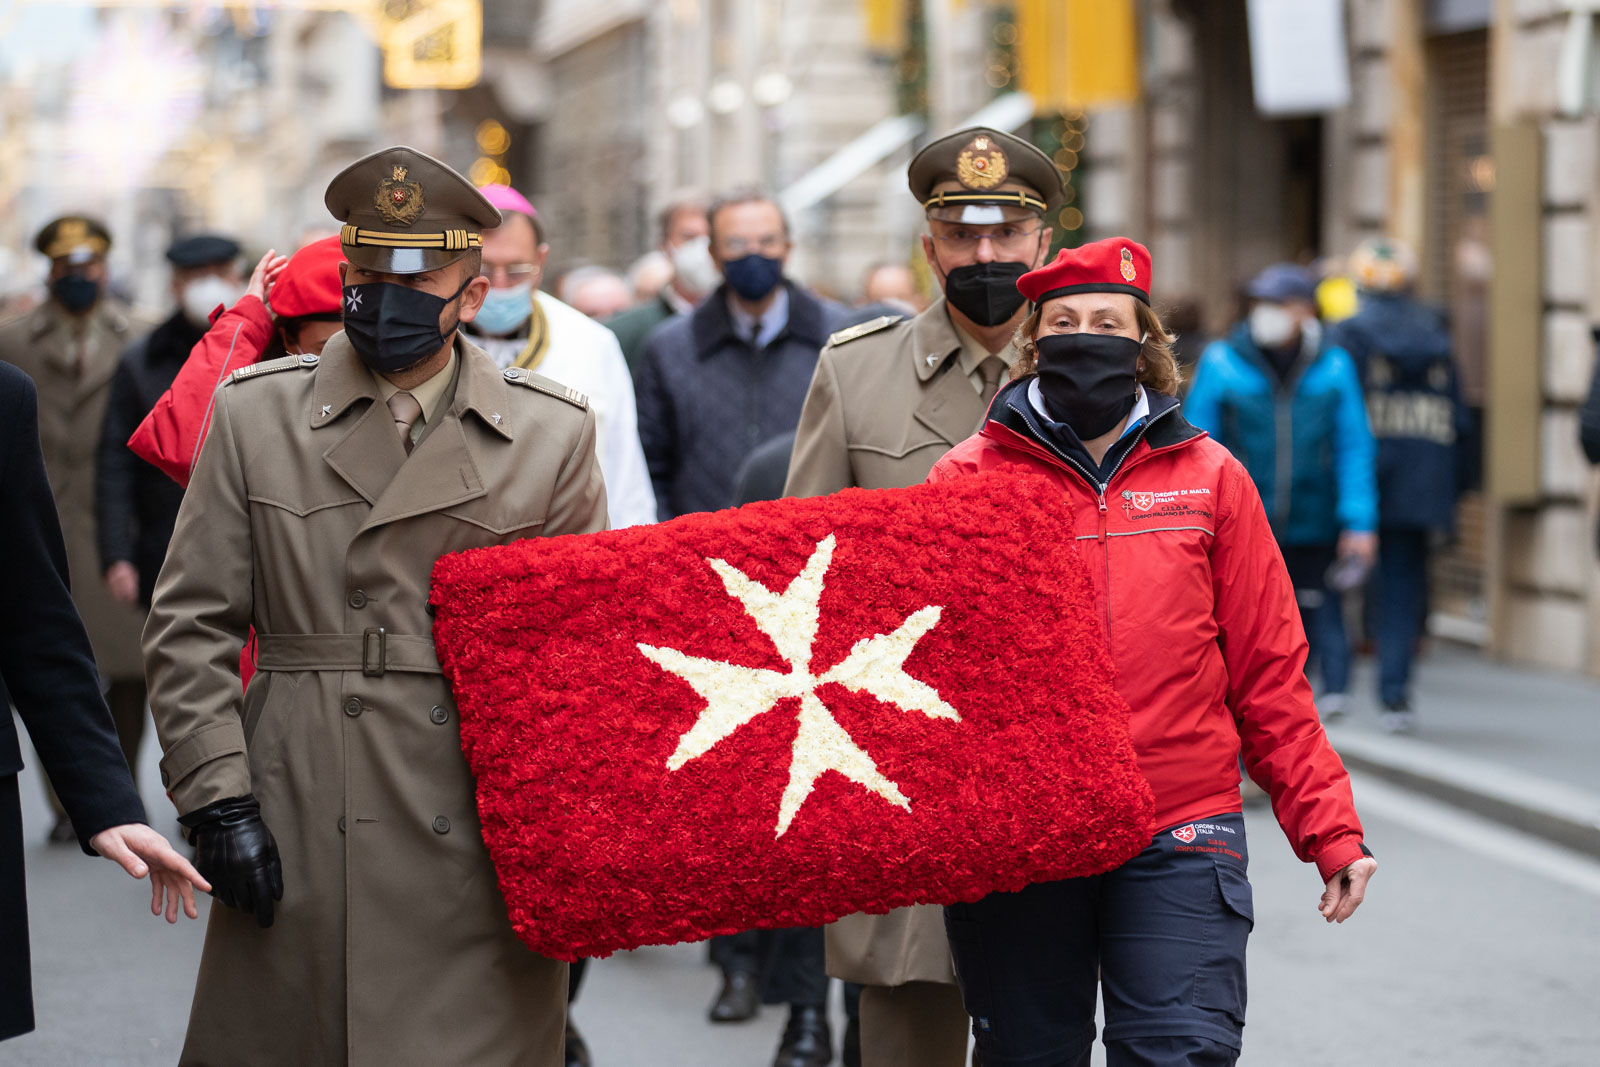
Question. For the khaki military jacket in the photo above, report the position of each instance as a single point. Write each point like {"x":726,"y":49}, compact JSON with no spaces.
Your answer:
{"x":888,"y":400}
{"x":306,"y":519}
{"x":73,"y":374}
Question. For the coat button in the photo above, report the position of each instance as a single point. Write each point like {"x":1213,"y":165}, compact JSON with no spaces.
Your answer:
{"x":441,"y":825}
{"x":352,"y":706}
{"x":357,"y":599}
{"x":341,"y":824}
{"x":439,"y":715}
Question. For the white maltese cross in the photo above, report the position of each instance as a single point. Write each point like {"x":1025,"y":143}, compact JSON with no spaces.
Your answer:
{"x":734,"y":695}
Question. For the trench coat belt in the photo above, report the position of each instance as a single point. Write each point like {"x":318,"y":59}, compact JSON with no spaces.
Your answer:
{"x":372,"y":652}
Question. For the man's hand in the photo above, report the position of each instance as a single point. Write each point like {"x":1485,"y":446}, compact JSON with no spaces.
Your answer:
{"x":139,"y":850}
{"x":1360,"y":544}
{"x":265,"y":276}
{"x":122,"y":578}
{"x":234,"y":849}
{"x":1346,"y":890}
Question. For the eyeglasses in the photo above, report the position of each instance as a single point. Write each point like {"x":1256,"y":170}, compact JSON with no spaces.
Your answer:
{"x":1006,"y":240}
{"x":737,"y":247}
{"x":513,"y":273}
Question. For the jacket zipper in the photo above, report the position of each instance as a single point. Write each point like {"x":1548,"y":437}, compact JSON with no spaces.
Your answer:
{"x":1099,"y":487}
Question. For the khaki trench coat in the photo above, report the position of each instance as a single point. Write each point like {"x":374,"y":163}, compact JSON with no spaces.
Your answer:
{"x":306,"y":518}
{"x":887,"y":401}
{"x":73,"y":374}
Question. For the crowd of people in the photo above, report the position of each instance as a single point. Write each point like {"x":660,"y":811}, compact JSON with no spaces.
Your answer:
{"x":248,"y":490}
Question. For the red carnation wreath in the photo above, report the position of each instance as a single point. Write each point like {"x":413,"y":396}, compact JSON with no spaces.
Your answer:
{"x":788,"y":712}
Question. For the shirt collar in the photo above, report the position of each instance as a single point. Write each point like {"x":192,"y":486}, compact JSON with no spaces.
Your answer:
{"x":771,"y":322}
{"x":428,"y":394}
{"x":972,"y":353}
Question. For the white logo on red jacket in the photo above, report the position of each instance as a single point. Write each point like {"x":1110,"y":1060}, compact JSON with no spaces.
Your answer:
{"x":1143,"y":501}
{"x":1185,"y":834}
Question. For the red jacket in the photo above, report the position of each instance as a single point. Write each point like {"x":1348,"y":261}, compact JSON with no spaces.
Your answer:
{"x":170,"y":436}
{"x":1201,"y":621}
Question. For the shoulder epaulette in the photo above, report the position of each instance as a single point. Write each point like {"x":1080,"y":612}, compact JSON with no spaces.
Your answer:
{"x":273,"y":366}
{"x":861,"y":329}
{"x":530,"y":380}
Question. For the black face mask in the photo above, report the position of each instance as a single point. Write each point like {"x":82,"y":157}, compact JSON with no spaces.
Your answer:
{"x":395,"y":327}
{"x":1088,"y":379}
{"x":75,"y":293}
{"x":986,"y":293}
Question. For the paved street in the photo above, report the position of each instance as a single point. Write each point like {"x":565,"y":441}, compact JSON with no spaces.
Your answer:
{"x":1480,"y":946}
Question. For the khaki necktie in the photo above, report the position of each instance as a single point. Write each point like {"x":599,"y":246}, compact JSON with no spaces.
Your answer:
{"x":992,"y":369}
{"x":406,"y":412}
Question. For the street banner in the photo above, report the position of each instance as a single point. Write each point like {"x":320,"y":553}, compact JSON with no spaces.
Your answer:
{"x":784,"y":713}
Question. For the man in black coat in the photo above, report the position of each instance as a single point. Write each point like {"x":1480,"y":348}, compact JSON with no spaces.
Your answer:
{"x":48,"y":670}
{"x":135,"y":505}
{"x":718,"y":382}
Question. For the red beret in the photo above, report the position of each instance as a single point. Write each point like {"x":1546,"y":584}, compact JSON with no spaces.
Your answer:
{"x":310,"y":283}
{"x":1115,"y":265}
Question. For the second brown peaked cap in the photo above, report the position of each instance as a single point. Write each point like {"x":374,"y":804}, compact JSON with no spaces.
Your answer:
{"x":405,"y":212}
{"x":979,"y":165}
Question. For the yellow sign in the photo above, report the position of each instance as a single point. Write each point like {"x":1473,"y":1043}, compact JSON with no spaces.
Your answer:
{"x":1078,"y":54}
{"x":431,"y":44}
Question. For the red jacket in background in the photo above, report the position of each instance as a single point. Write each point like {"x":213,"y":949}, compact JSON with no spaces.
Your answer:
{"x":1201,"y":622}
{"x":170,"y":436}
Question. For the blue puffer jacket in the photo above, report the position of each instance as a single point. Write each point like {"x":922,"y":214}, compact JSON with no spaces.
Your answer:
{"x":1305,"y":440}
{"x":1402,"y":357}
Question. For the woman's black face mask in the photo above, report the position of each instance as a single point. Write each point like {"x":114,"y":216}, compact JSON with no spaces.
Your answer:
{"x":1088,"y":379}
{"x":395,"y":327}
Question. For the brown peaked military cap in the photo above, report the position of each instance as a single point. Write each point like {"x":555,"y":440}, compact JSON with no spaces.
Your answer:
{"x":74,"y":237}
{"x":405,"y":212}
{"x":984,"y":167}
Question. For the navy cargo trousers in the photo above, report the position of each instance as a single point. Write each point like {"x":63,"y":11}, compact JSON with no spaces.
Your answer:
{"x":1163,"y":936}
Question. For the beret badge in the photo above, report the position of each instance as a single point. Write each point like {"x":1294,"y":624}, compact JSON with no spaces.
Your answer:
{"x":399,"y":201}
{"x":981,"y":164}
{"x":1128,"y":273}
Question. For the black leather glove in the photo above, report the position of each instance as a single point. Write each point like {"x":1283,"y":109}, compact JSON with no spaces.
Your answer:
{"x":235,"y":851}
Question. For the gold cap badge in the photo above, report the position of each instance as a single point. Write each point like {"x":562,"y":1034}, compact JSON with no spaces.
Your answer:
{"x":398,"y":200}
{"x":1128,"y":272}
{"x":981,"y":165}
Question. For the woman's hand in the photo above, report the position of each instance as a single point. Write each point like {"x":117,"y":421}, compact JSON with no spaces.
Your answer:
{"x":265,"y":276}
{"x":1346,"y":890}
{"x":139,"y":850}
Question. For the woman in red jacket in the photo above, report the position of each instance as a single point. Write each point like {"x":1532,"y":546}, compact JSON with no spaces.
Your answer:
{"x":304,"y":292}
{"x":1201,"y":621}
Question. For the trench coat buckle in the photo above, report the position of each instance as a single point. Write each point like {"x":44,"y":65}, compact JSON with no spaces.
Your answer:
{"x":369,"y":667}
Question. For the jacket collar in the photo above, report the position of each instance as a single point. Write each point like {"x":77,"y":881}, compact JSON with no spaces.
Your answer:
{"x":174,"y":339}
{"x":711,"y":324}
{"x":48,"y":316}
{"x":934,"y":340}
{"x":1010,"y":418}
{"x":342,"y":379}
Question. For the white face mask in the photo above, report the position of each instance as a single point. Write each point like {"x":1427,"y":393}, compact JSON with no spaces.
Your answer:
{"x":1272,"y":325}
{"x":693,"y":267}
{"x":201,"y":297}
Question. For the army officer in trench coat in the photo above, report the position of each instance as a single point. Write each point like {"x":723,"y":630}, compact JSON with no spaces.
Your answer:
{"x":319,"y":503}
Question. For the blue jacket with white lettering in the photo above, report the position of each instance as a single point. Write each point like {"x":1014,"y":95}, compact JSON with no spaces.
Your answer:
{"x":1402,"y":353}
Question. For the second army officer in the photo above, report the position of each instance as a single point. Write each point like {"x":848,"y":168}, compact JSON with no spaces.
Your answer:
{"x":889,"y":398}
{"x":324,"y":493}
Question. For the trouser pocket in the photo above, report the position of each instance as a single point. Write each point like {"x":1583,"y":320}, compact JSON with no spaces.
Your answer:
{"x":1220,"y":980}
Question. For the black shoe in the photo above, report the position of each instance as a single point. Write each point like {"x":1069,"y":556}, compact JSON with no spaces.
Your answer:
{"x":62,"y":832}
{"x":577,"y":1048}
{"x":738,"y":1000}
{"x":807,"y":1041}
{"x":850,"y":1048}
